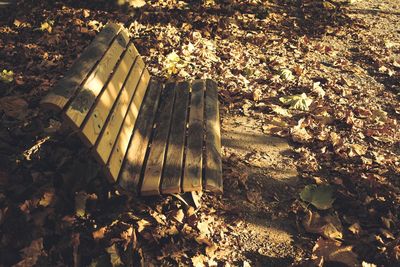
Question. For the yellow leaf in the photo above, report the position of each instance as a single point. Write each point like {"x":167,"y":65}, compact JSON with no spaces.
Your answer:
{"x":6,"y":76}
{"x":47,"y":26}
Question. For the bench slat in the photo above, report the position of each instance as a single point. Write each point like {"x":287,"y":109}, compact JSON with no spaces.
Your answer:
{"x":83,"y":102}
{"x":111,"y":128}
{"x":155,"y":162}
{"x":213,"y":164}
{"x":194,"y":152}
{"x":119,"y":150}
{"x":171,"y":180}
{"x":62,"y":92}
{"x":96,"y":119}
{"x":129,"y":176}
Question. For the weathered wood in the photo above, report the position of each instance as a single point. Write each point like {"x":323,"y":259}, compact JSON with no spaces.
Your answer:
{"x":106,"y":141}
{"x":213,"y":164}
{"x":130,"y":173}
{"x":83,"y":102}
{"x":171,"y":180}
{"x":97,"y":117}
{"x":119,"y":150}
{"x":155,"y":162}
{"x":62,"y":92}
{"x":192,"y":177}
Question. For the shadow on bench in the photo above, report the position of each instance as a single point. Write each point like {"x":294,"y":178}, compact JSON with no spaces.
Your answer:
{"x":149,"y":137}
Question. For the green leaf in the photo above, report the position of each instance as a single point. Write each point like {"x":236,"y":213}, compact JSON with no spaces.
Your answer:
{"x":6,"y":76}
{"x":299,"y":102}
{"x":319,"y":196}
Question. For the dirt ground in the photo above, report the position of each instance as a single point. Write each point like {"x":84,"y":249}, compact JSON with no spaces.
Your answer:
{"x":56,"y":208}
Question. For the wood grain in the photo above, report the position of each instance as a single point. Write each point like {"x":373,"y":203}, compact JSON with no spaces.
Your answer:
{"x":121,"y":145}
{"x":155,"y":162}
{"x":65,"y":89}
{"x":111,"y":128}
{"x":83,"y":102}
{"x":97,"y":117}
{"x":213,"y":164}
{"x":171,"y":180}
{"x":192,"y":177}
{"x":129,"y":177}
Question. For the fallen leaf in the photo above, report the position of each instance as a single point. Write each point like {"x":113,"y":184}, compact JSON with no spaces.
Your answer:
{"x":328,"y":226}
{"x":355,"y":228}
{"x":330,"y":251}
{"x":286,"y":75}
{"x":317,"y":88}
{"x":357,"y":150}
{"x":14,"y":107}
{"x":257,"y":94}
{"x":115,"y":258}
{"x":31,"y":253}
{"x":199,"y":260}
{"x":80,"y":204}
{"x":47,"y":26}
{"x":6,"y":76}
{"x":320,"y":196}
{"x":47,"y":199}
{"x":203,"y":228}
{"x":179,"y":215}
{"x":298,"y":102}
{"x":136,"y":3}
{"x":142,"y":224}
{"x":86,"y":13}
{"x":99,"y":234}
{"x":280,"y":111}
{"x":300,"y":134}
{"x":173,"y":64}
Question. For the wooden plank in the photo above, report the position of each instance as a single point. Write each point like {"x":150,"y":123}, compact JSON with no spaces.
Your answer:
{"x":62,"y":92}
{"x":213,"y":164}
{"x":129,"y":176}
{"x":171,"y":180}
{"x":194,"y":150}
{"x":155,"y":161}
{"x":138,"y":79}
{"x":83,"y":102}
{"x":96,"y":119}
{"x":121,"y":145}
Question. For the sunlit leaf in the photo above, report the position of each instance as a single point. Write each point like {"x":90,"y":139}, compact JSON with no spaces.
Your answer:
{"x":299,"y":102}
{"x":173,"y":64}
{"x":286,"y":75}
{"x":319,"y":196}
{"x":136,"y":3}
{"x":6,"y":76}
{"x":47,"y":26}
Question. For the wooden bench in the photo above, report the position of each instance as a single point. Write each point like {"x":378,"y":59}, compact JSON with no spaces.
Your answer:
{"x":150,"y":138}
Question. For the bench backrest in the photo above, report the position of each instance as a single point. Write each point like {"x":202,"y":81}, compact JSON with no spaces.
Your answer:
{"x":101,"y":95}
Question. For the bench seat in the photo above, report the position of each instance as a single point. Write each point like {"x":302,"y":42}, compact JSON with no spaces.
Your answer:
{"x":149,"y":138}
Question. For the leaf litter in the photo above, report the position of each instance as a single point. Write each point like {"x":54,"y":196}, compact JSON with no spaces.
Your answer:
{"x":319,"y":73}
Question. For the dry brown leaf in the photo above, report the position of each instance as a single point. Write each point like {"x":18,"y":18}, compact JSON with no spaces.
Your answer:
{"x":47,"y":199}
{"x":14,"y":107}
{"x":99,"y":234}
{"x":31,"y":253}
{"x":331,"y":251}
{"x":328,"y":226}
